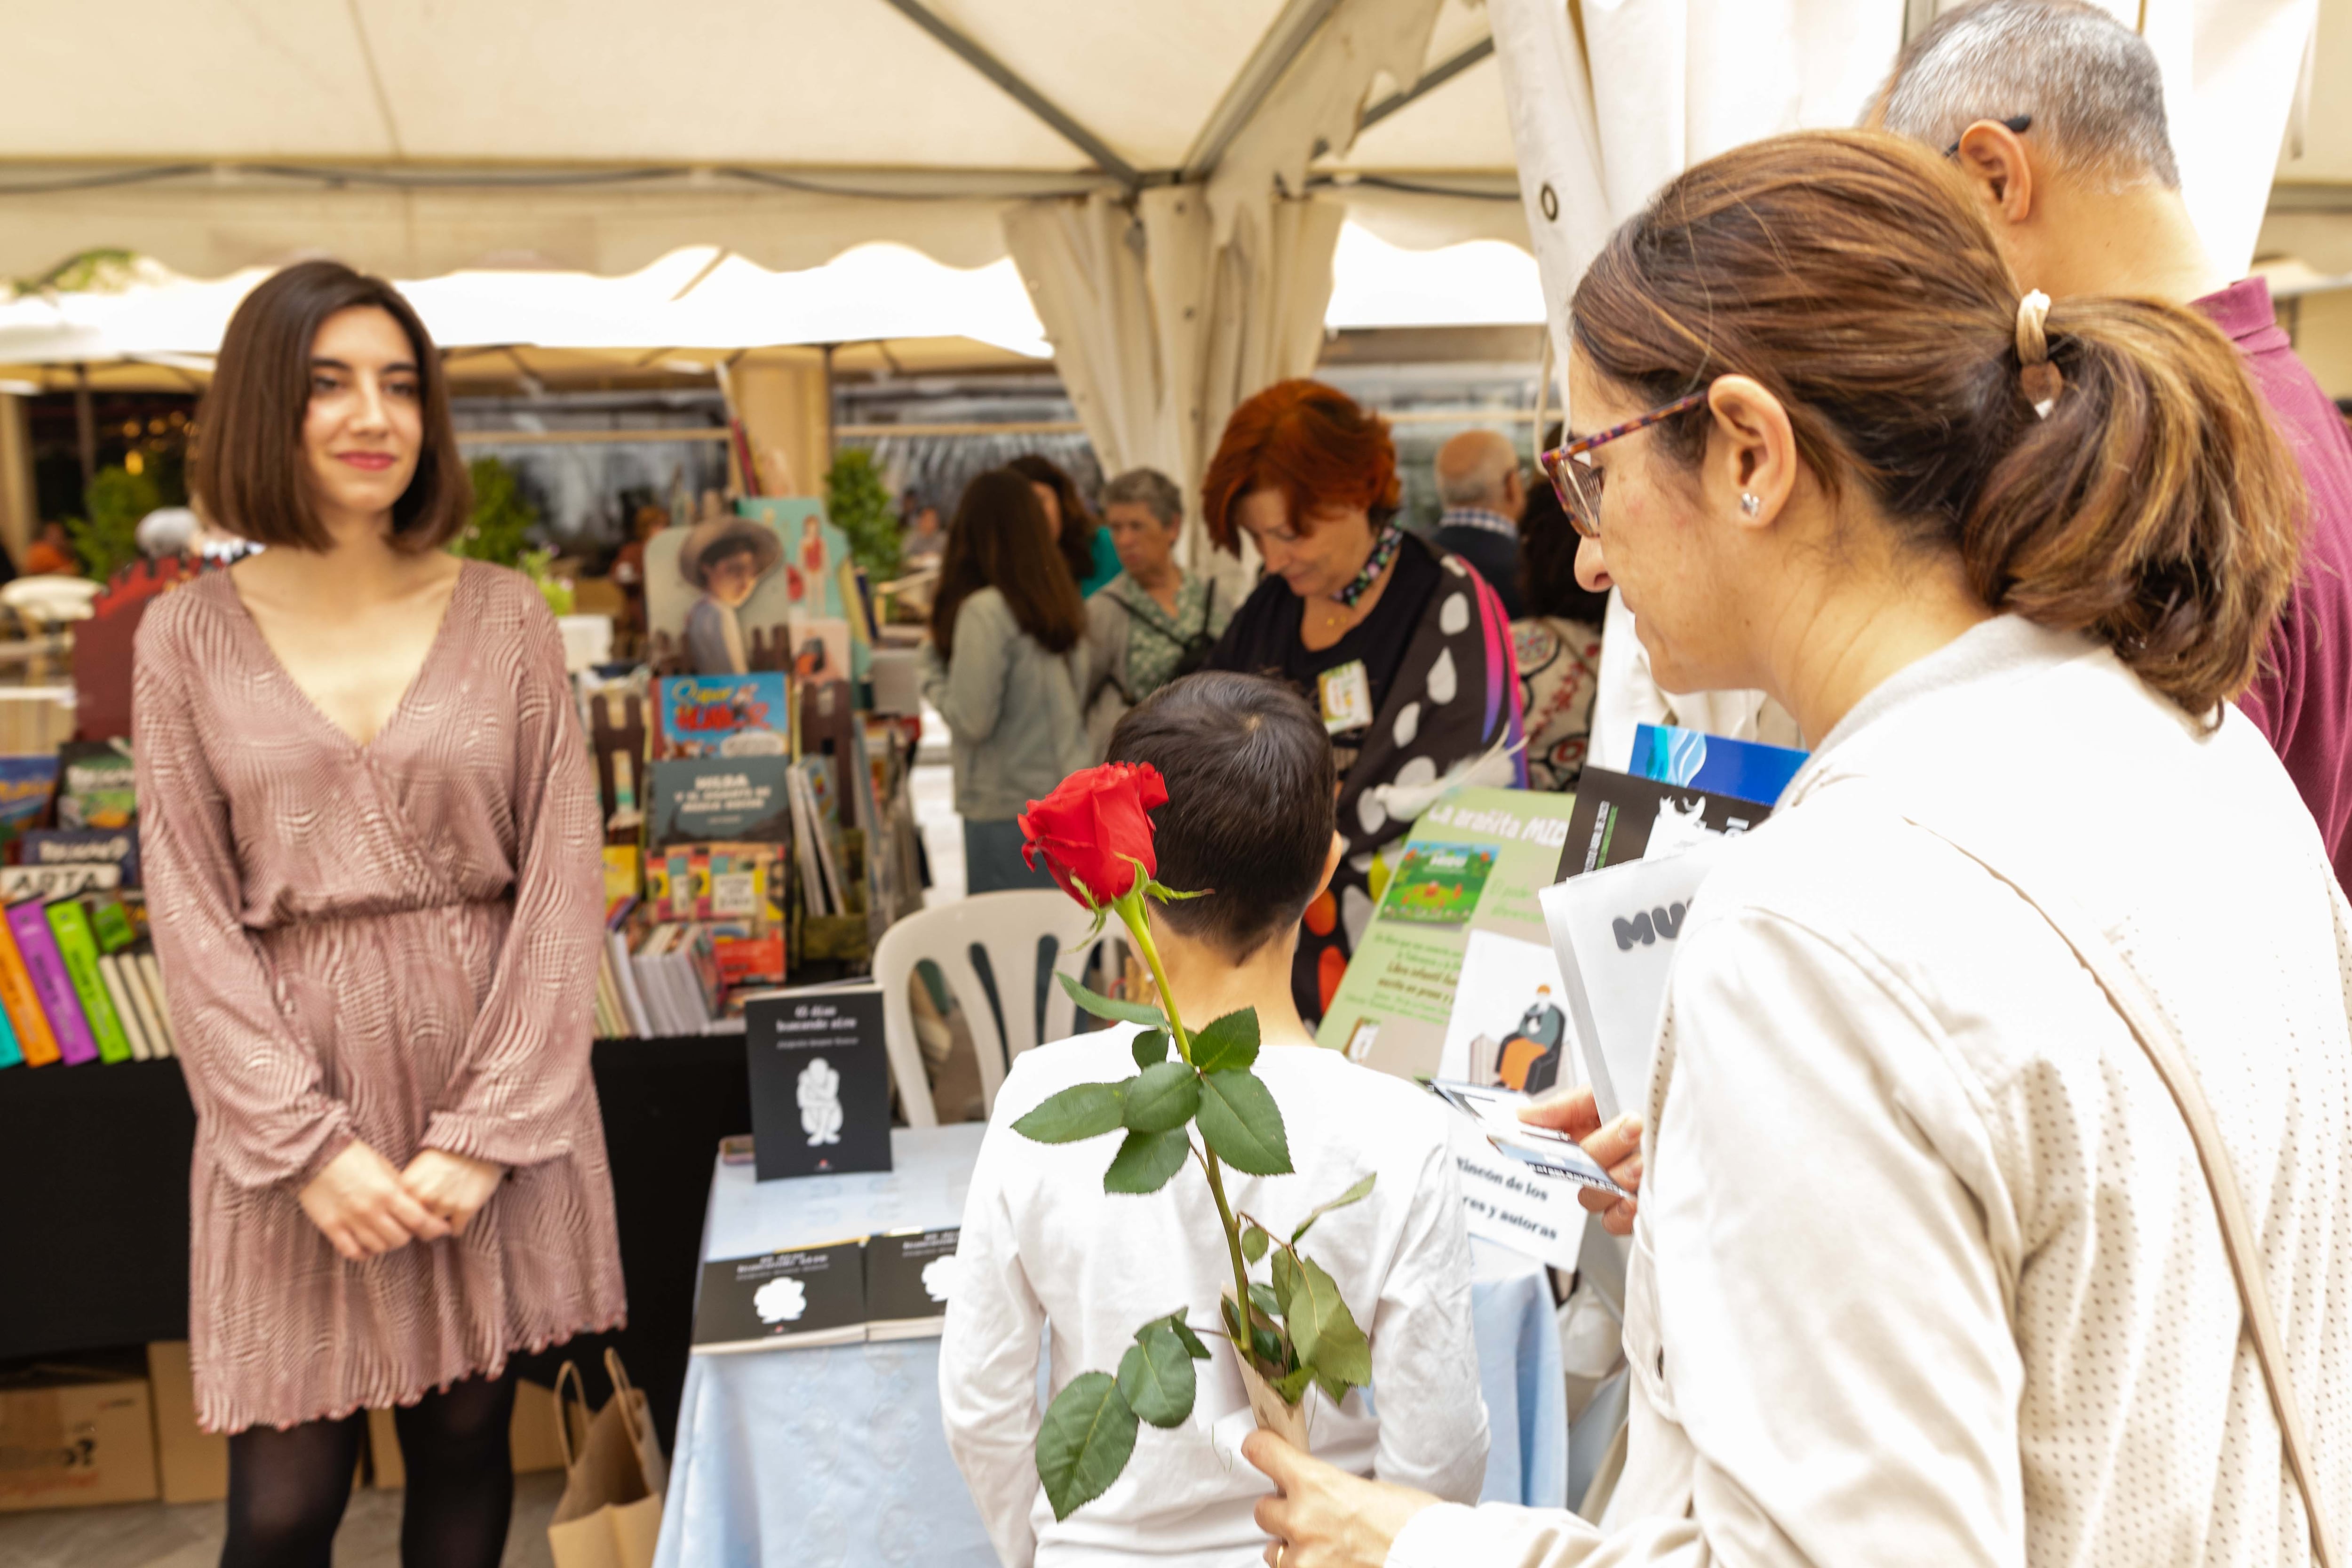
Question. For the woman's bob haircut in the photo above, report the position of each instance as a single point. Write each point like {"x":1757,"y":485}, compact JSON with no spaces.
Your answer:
{"x":249,"y":475}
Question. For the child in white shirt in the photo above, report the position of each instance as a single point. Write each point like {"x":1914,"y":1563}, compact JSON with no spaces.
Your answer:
{"x":1249,"y":817}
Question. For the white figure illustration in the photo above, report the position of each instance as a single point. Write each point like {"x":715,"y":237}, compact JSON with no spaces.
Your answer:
{"x":781,"y":1301}
{"x":1677,"y":828}
{"x":939,"y":1278}
{"x":820,"y":1098}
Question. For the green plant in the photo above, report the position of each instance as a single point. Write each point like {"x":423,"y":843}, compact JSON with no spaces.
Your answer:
{"x":857,"y":502}
{"x":535,"y":565}
{"x":500,"y":529}
{"x":107,"y":540}
{"x":1287,"y":1332}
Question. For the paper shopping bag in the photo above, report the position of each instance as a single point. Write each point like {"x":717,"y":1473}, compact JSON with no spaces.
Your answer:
{"x":613,"y":1477}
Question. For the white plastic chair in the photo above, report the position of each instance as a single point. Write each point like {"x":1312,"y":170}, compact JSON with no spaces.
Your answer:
{"x":1009,"y":928}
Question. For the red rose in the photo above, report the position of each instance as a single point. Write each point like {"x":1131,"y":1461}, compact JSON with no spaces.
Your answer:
{"x":1090,"y":825}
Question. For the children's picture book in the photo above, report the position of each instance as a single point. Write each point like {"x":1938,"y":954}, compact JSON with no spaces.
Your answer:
{"x":1744,"y":769}
{"x":617,"y":738}
{"x":808,"y":1296}
{"x":25,"y":785}
{"x":1473,"y":862}
{"x":697,"y":799}
{"x":723,"y":716}
{"x":1438,"y":884}
{"x":1618,"y":818}
{"x":721,"y":594}
{"x":820,"y":647}
{"x":1507,"y":1029}
{"x":95,"y":784}
{"x":117,"y":847}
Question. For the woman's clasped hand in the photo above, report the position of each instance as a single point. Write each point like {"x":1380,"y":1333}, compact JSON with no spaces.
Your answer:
{"x":366,"y":1206}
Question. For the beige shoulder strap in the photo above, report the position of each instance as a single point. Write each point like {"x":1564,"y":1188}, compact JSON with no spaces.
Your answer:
{"x":2165,"y":1052}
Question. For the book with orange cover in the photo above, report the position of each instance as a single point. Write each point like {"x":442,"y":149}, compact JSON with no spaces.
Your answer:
{"x":34,"y":1037}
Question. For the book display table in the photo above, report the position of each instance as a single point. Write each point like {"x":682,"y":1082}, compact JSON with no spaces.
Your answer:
{"x":835,"y":1455}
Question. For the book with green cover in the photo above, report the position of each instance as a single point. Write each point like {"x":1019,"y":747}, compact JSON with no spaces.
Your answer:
{"x":1472,"y":863}
{"x":78,"y":946}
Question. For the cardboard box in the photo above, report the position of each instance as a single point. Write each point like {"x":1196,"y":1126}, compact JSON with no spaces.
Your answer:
{"x":191,"y":1464}
{"x":70,"y":1440}
{"x":531,"y":1436}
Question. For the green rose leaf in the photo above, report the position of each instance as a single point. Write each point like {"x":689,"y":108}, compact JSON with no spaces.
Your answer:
{"x":1082,"y":1110}
{"x":1356,"y":1193}
{"x":1268,"y":1346}
{"x":1183,"y":1332}
{"x":1242,"y":1125}
{"x":1151,"y":1047}
{"x":1292,"y":1385}
{"x":1262,"y":1297}
{"x":1228,"y":1045}
{"x":1285,"y":1282}
{"x":1104,"y":1007}
{"x":1162,"y":1098}
{"x":1155,"y":1377}
{"x":1146,"y":1161}
{"x":1333,"y":1388}
{"x":1255,"y":1242}
{"x":1084,"y":1442}
{"x":1323,"y":1330}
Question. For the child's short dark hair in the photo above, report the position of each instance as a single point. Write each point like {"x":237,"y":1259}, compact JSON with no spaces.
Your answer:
{"x":1250,"y":809}
{"x":726,"y":549}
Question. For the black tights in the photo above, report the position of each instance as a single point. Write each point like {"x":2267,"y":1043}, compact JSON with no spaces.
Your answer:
{"x":287,"y":1489}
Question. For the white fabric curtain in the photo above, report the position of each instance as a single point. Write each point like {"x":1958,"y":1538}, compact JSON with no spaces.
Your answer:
{"x":1609,"y":98}
{"x":1166,"y":314}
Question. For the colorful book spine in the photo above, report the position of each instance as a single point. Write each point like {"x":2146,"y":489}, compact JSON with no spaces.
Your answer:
{"x":109,"y":970}
{"x":37,"y":946}
{"x":11,"y":1053}
{"x":30,"y":1024}
{"x":152,"y":973}
{"x":78,"y":946}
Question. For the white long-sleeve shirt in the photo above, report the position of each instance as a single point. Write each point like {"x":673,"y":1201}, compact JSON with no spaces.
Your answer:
{"x":1043,"y":1243}
{"x":1926,"y":1270}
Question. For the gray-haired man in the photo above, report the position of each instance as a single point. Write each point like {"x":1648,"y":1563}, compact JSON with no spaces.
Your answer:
{"x":2054,"y":113}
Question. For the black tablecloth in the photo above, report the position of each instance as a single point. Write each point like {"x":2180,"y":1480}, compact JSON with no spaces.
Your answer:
{"x":94,"y":1203}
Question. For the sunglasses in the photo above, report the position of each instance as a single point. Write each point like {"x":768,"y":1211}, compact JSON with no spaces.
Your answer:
{"x":2018,"y":124}
{"x":1577,"y":483}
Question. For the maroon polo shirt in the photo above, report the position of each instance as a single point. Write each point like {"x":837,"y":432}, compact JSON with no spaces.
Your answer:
{"x":2303,"y":698}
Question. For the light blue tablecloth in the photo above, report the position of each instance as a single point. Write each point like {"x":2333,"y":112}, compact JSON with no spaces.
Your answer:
{"x":813,"y":1458}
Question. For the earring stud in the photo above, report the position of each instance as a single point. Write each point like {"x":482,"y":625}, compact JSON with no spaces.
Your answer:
{"x":1751,"y":504}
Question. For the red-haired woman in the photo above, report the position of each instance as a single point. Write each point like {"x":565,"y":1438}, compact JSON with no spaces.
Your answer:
{"x":1404,"y":651}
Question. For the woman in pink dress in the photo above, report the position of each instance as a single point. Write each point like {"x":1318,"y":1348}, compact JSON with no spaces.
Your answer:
{"x":371,"y":842}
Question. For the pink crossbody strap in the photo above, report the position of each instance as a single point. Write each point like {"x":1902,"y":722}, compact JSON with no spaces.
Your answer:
{"x":2162,"y":1043}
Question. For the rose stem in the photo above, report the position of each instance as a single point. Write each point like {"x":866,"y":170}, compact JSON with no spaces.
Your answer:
{"x":1132,"y":915}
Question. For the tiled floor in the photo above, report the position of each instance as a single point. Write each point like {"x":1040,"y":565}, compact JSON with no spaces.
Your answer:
{"x":159,"y":1535}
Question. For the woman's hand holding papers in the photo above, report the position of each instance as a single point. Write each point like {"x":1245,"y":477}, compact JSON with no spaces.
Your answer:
{"x":1617,"y":1148}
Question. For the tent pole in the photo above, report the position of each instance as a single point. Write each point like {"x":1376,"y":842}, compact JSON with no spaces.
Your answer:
{"x":964,"y":47}
{"x":85,"y":424}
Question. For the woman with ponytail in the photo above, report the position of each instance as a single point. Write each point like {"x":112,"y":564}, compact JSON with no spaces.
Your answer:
{"x":1996,"y":1191}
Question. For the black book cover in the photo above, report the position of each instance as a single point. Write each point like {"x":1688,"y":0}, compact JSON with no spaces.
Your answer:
{"x":739,"y":800}
{"x":820,"y":1082}
{"x":1617,"y":817}
{"x":911,"y":1276}
{"x":810,"y":1295}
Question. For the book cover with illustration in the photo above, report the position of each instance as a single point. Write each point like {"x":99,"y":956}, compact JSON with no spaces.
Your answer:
{"x":910,"y":1277}
{"x":736,"y":891}
{"x":25,"y":785}
{"x":1438,"y":884}
{"x":95,"y":784}
{"x":1744,"y":769}
{"x":723,"y":716}
{"x":1619,"y":817}
{"x":698,"y":799}
{"x":808,"y":1296}
{"x":1473,"y":862}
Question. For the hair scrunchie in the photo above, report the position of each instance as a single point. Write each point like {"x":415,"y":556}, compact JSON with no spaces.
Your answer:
{"x":2040,"y":378}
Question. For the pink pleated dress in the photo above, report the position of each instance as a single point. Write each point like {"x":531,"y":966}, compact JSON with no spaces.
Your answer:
{"x":395,"y":942}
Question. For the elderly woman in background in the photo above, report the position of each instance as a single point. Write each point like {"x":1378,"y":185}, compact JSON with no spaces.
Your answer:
{"x":1557,"y":642}
{"x":1404,"y":650}
{"x":1153,"y":622}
